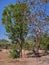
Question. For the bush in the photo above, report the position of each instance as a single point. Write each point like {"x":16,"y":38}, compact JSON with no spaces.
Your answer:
{"x":28,"y":46}
{"x":14,"y":53}
{"x":47,"y":46}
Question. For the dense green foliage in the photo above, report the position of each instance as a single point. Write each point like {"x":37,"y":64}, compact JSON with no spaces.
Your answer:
{"x":14,"y":53}
{"x":44,"y":42}
{"x":15,"y":21}
{"x":4,"y":44}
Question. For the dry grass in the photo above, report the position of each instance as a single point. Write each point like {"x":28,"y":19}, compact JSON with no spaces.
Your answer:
{"x":5,"y":60}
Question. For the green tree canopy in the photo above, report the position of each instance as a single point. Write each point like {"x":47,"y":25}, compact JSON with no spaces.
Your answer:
{"x":15,"y":19}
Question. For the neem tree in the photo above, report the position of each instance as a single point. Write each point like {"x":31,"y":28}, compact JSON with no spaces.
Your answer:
{"x":15,"y":21}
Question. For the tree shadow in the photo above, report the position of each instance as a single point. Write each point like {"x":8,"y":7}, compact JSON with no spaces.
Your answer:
{"x":36,"y":55}
{"x":45,"y":54}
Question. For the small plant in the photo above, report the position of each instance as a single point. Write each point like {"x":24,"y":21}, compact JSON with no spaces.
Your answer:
{"x":0,"y":48}
{"x":14,"y":53}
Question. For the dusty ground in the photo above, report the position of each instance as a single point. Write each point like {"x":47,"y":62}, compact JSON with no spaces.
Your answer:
{"x":5,"y":60}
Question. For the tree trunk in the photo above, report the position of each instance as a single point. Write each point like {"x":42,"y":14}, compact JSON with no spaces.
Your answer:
{"x":21,"y":50}
{"x":36,"y":49}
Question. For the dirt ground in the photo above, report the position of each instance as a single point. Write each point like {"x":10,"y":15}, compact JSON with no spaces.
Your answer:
{"x":6,"y":60}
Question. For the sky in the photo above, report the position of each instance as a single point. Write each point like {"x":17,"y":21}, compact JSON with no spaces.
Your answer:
{"x":4,"y":3}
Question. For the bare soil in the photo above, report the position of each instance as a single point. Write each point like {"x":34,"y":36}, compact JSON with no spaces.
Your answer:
{"x":29,"y":59}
